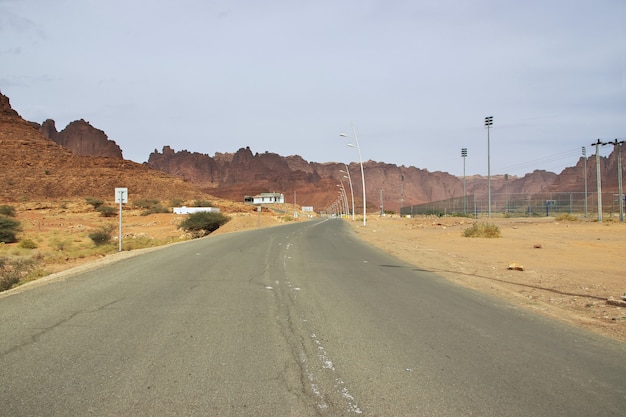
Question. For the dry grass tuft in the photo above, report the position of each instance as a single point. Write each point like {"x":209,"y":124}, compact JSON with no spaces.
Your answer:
{"x":482,"y":230}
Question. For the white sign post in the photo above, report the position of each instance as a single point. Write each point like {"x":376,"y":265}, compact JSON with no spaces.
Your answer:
{"x":121,"y":196}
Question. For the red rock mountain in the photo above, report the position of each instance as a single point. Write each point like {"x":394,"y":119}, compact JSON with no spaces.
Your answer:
{"x":82,"y":138}
{"x":55,"y":171}
{"x":36,"y":168}
{"x":243,"y":173}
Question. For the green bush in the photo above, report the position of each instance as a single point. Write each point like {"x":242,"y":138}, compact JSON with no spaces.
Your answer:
{"x":107,"y":211}
{"x":27,"y":244}
{"x":95,"y":202}
{"x":8,"y":211}
{"x":9,"y":229}
{"x":12,"y":270}
{"x":203,"y":222}
{"x":202,"y":203}
{"x":156,"y":209}
{"x":482,"y":230}
{"x":566,"y":217}
{"x":146,"y":203}
{"x":102,"y":235}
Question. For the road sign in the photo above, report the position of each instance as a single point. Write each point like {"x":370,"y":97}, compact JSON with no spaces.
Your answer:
{"x":121,"y":195}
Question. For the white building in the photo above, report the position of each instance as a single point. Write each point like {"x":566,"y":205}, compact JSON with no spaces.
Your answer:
{"x":190,"y":210}
{"x":265,"y":198}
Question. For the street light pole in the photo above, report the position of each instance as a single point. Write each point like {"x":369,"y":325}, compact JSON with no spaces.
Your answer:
{"x":358,"y":148}
{"x":344,"y":197}
{"x":488,"y":123}
{"x":347,"y":172}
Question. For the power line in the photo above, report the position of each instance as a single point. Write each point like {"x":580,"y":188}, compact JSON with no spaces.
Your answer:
{"x":534,"y":164}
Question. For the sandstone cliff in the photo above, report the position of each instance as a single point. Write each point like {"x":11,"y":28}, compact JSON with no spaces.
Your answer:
{"x":36,"y":169}
{"x":315,"y":184}
{"x":81,"y":138}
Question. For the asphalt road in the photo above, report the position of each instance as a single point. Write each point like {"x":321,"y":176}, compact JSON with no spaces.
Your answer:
{"x":296,"y":320}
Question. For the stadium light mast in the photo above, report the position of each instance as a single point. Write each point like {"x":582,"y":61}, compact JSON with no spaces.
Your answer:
{"x":464,"y":155}
{"x":488,"y":123}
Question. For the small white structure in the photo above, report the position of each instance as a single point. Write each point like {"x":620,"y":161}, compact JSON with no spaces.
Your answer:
{"x":190,"y":210}
{"x":265,"y":198}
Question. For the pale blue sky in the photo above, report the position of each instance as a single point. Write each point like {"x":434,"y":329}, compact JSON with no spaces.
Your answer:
{"x":416,"y":78}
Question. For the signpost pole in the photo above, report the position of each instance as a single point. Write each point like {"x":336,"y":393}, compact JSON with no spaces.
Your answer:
{"x":120,"y":232}
{"x":121,"y":196}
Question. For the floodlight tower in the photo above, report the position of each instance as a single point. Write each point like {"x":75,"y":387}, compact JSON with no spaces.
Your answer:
{"x":464,"y":155}
{"x":488,"y":123}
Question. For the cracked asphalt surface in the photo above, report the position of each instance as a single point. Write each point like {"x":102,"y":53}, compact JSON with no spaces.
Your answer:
{"x":297,"y":320}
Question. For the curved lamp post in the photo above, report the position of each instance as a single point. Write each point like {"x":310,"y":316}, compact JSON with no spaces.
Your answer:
{"x":347,"y":172}
{"x":344,"y":196}
{"x":358,"y":148}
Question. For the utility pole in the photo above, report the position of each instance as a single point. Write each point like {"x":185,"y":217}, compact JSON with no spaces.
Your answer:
{"x":617,"y":146}
{"x":401,"y":193}
{"x":598,"y":179}
{"x":585,"y":174}
{"x":381,"y":202}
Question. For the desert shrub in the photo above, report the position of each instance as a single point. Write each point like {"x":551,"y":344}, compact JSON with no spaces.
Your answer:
{"x":60,"y":244}
{"x":146,"y":203}
{"x":203,"y":222}
{"x":202,"y":203}
{"x":9,"y":229}
{"x":27,"y":244}
{"x":155,"y":209}
{"x":8,"y":211}
{"x":94,"y":202}
{"x":566,"y":217}
{"x":482,"y":230}
{"x":102,"y":235}
{"x":12,"y":270}
{"x":176,"y":202}
{"x":107,"y":211}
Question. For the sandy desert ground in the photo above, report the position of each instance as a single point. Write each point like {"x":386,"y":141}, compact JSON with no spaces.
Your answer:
{"x":570,"y":268}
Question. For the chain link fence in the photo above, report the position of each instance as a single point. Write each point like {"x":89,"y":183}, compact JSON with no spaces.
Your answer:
{"x":521,"y":205}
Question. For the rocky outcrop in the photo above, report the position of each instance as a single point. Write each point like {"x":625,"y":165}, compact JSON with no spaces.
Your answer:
{"x":36,"y":168}
{"x":5,"y":108}
{"x":49,"y":130}
{"x":81,"y":138}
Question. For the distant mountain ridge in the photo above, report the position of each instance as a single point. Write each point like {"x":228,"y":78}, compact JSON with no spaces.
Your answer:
{"x":234,"y":175}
